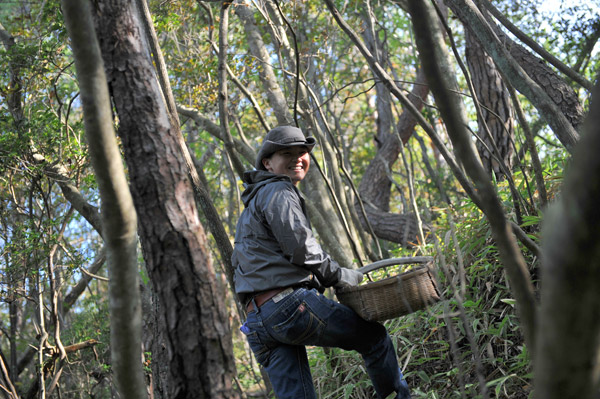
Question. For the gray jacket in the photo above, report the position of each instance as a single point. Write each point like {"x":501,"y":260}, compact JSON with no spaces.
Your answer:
{"x":274,"y":243}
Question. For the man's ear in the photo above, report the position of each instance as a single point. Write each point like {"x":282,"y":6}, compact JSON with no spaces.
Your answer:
{"x":266,"y":163}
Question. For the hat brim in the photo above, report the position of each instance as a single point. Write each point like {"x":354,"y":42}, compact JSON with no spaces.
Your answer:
{"x":270,"y":147}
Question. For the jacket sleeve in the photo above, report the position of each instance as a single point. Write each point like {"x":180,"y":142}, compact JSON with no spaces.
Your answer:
{"x":289,"y":224}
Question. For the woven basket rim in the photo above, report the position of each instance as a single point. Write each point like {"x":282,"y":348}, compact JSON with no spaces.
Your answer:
{"x":395,"y":296}
{"x":388,"y":280}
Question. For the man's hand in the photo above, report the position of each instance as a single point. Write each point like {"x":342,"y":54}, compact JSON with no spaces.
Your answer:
{"x":349,"y":278}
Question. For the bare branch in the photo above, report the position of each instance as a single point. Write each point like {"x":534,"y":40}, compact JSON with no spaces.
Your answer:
{"x":408,"y":105}
{"x":204,"y":123}
{"x":71,"y":297}
{"x":59,"y":173}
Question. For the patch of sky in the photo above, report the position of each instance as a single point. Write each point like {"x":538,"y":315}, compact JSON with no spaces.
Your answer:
{"x":576,"y":17}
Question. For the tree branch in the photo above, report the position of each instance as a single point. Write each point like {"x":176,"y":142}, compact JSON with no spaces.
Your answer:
{"x":247,"y":93}
{"x":72,"y":194}
{"x":71,"y":297}
{"x":204,"y":123}
{"x":473,"y":19}
{"x":571,"y":73}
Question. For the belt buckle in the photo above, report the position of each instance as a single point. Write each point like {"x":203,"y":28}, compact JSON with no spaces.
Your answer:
{"x":282,"y":294}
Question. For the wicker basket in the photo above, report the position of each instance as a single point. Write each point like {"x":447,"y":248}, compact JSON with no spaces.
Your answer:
{"x":393,"y":296}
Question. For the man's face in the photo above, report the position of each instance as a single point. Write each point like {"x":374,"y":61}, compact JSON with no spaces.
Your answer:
{"x":292,"y":162}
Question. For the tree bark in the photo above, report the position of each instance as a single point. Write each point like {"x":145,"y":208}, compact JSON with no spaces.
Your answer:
{"x":119,"y":220}
{"x":198,"y":343}
{"x":553,"y":85}
{"x":496,"y":128}
{"x":472,"y":18}
{"x":568,"y":337}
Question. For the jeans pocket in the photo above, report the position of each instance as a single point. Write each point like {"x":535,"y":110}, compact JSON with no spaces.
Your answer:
{"x":302,"y":327}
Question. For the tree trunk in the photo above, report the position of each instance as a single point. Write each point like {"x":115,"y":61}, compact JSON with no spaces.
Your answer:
{"x":555,"y":87}
{"x":198,"y":343}
{"x":496,"y":115}
{"x":568,"y":334}
{"x":153,"y":340}
{"x":544,"y":101}
{"x":383,"y":99}
{"x":375,"y":186}
{"x":257,"y":47}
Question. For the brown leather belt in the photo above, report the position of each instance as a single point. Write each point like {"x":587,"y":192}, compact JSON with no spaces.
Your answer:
{"x":263,"y":297}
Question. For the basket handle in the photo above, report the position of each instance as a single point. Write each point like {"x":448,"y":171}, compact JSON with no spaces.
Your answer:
{"x":394,"y":261}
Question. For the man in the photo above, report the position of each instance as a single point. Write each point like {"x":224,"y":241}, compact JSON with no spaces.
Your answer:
{"x":281,"y":272}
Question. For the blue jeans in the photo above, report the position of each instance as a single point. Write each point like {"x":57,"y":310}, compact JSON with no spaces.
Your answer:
{"x":278,"y":332}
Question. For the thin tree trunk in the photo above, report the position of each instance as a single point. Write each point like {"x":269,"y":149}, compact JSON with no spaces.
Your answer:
{"x":568,"y":336}
{"x":383,"y":100}
{"x":375,"y":186}
{"x":223,"y":91}
{"x":267,"y":76}
{"x":119,"y":219}
{"x":496,"y":115}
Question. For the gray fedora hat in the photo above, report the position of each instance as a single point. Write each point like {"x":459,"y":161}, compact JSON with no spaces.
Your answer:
{"x":279,"y":138}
